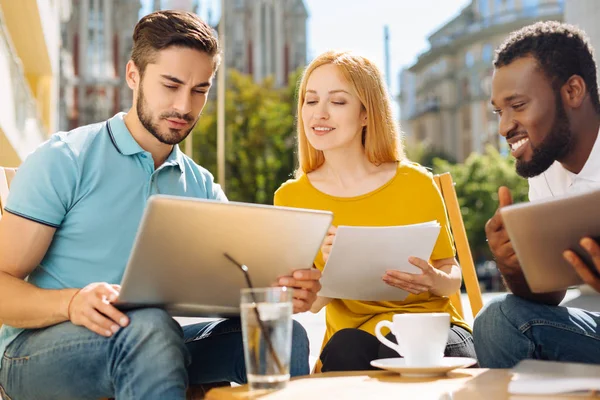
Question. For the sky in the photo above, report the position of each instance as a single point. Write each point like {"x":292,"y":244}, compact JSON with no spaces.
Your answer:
{"x":358,"y":25}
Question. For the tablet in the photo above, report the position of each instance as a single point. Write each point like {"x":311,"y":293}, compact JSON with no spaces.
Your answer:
{"x":179,"y":259}
{"x":540,"y":231}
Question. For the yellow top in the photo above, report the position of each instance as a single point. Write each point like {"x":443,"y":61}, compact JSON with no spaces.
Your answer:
{"x":410,"y":197}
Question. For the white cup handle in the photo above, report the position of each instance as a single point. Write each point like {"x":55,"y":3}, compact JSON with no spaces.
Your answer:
{"x":383,"y":339}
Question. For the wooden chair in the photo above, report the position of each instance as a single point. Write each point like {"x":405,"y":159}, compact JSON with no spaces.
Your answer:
{"x":6,"y":176}
{"x":463,"y":250}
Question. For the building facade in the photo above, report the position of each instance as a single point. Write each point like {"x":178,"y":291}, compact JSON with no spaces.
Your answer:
{"x":585,"y":14}
{"x":445,"y":95}
{"x":266,"y":37}
{"x":29,"y":73}
{"x":97,"y":43}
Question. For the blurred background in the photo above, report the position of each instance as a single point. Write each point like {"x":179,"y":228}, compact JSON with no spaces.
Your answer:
{"x":62,"y":65}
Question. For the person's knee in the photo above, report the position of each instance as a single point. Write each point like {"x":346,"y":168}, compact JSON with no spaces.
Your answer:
{"x":501,"y":314}
{"x":348,"y":350}
{"x":346,"y":346}
{"x":300,"y":351}
{"x":150,"y":319}
{"x":299,"y":337}
{"x":150,"y":327}
{"x":488,"y":318}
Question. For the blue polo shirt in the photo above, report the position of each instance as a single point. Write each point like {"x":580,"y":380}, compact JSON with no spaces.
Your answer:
{"x":92,"y":184}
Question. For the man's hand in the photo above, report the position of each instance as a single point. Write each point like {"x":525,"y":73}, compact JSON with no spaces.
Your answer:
{"x":507,"y":261}
{"x":328,"y":242}
{"x":498,"y":239}
{"x":90,"y":307}
{"x":306,"y":285}
{"x":593,"y":249}
{"x":414,"y":283}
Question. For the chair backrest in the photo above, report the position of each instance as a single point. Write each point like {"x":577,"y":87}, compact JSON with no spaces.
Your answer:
{"x":463,"y":250}
{"x":6,"y":176}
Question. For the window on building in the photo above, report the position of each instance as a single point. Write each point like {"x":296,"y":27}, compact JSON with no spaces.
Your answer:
{"x":484,"y":8}
{"x":487,"y":53}
{"x":96,"y":45}
{"x":530,"y":4}
{"x":469,"y":59}
{"x":504,"y":5}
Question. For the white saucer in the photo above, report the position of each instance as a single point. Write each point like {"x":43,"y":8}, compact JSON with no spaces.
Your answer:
{"x":399,"y":365}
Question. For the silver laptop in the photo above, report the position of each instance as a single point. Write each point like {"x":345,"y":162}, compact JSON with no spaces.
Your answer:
{"x":179,"y":258}
{"x":541,"y":231}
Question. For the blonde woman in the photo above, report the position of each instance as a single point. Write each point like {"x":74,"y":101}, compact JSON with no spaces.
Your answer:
{"x":352,"y":163}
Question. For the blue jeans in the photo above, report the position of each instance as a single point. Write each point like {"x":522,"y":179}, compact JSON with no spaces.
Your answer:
{"x":152,"y":358}
{"x":510,"y":329}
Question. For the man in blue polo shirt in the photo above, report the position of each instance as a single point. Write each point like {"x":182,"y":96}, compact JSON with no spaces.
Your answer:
{"x":72,"y":214}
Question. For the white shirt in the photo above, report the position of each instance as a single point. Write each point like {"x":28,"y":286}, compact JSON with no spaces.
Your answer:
{"x":557,"y":180}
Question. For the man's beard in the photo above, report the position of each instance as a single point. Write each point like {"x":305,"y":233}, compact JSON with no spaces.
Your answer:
{"x":173,"y":136}
{"x":557,"y":143}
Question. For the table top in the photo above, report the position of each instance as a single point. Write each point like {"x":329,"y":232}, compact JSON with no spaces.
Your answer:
{"x":460,"y":384}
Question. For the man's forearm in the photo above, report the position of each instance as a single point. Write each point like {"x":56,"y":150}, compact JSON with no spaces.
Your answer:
{"x":517,"y":284}
{"x":23,"y":305}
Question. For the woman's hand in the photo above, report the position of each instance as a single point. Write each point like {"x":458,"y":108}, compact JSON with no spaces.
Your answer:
{"x":328,"y":242}
{"x":414,"y":283}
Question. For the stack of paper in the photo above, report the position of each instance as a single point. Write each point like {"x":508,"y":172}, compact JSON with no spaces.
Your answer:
{"x":551,"y":377}
{"x":361,"y":255}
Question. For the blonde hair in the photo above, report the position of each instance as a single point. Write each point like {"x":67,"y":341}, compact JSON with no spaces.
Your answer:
{"x":381,"y":137}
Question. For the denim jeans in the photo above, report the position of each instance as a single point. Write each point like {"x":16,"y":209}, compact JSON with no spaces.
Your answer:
{"x":152,"y":358}
{"x":510,"y":329}
{"x":353,"y":349}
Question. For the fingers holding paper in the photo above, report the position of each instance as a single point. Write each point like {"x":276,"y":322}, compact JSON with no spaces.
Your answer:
{"x":328,"y":242}
{"x":413,"y":283}
{"x":586,"y":274}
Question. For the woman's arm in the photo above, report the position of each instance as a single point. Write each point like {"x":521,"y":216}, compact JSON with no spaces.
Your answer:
{"x":449,"y":277}
{"x":319,"y":304}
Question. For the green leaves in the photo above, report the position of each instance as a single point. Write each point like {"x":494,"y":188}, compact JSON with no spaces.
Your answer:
{"x":477,"y":182}
{"x":260,"y":137}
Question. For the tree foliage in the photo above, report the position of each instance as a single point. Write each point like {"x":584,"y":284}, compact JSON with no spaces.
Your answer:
{"x":260,"y":137}
{"x":477,"y":182}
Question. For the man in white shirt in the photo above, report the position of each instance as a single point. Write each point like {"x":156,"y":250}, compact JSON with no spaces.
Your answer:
{"x":545,"y":93}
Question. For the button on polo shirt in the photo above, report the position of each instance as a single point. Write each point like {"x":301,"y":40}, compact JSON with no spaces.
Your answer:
{"x":92,"y":185}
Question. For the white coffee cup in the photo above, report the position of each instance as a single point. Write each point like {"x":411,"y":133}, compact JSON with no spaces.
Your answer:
{"x":421,"y":337}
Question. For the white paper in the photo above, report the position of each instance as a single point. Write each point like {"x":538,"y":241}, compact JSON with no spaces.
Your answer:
{"x":551,"y":377}
{"x":360,"y":256}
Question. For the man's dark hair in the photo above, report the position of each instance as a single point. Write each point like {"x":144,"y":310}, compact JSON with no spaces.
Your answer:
{"x":561,"y":50}
{"x":163,"y":29}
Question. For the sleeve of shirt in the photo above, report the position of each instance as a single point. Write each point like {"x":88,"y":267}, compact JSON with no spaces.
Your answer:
{"x":277,"y":198}
{"x":44,"y":187}
{"x":214,"y":190}
{"x":218,"y":193}
{"x":444,"y":247}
